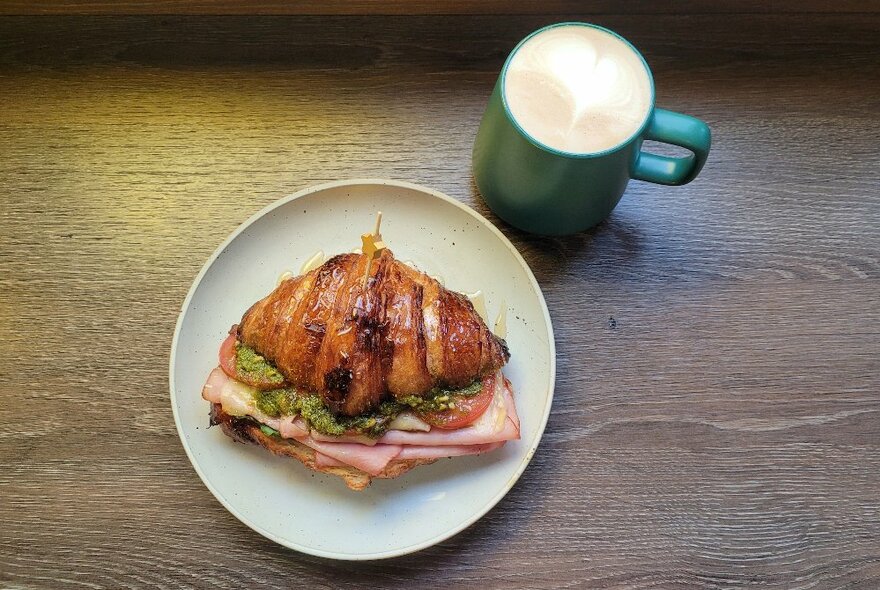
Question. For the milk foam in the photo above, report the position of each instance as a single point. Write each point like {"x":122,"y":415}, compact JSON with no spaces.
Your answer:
{"x":577,"y":89}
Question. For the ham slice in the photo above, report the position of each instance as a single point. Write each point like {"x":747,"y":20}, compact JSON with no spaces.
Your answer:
{"x":498,"y":424}
{"x":322,"y":460}
{"x":211,"y":390}
{"x":293,"y":427}
{"x":462,"y":436}
{"x":376,"y":458}
{"x":361,"y":439}
{"x":370,"y":460}
{"x":417,"y":452}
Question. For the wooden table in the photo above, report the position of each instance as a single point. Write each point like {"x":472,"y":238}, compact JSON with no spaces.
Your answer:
{"x":717,"y":412}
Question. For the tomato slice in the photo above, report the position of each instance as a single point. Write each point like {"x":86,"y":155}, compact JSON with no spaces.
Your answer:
{"x":227,"y":356}
{"x":467,"y":408}
{"x":228,"y":364}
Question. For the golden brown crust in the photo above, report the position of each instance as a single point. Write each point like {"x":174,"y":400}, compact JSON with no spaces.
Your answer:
{"x":407,"y":373}
{"x":244,"y":430}
{"x":404,"y":333}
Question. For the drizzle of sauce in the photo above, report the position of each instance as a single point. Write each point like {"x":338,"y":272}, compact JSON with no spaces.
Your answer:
{"x":501,"y":321}
{"x":479,"y":302}
{"x":316,"y":260}
{"x":312,"y":263}
{"x":283,"y":277}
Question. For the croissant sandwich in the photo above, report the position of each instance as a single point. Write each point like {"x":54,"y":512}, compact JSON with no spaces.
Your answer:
{"x":363,"y":367}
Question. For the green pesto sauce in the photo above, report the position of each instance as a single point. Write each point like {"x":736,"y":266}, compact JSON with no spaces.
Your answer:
{"x":250,"y":364}
{"x":289,"y":401}
{"x":440,"y":398}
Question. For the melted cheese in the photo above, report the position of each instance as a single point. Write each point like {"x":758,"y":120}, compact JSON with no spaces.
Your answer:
{"x":479,"y":302}
{"x":316,"y":260}
{"x":500,"y":328}
{"x":283,"y":277}
{"x":237,"y":398}
{"x":496,"y":413}
{"x":409,"y":421}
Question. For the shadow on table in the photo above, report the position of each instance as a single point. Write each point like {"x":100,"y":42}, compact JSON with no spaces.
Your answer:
{"x":552,"y":257}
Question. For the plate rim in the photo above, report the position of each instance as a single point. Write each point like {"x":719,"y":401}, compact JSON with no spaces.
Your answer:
{"x":483,"y":510}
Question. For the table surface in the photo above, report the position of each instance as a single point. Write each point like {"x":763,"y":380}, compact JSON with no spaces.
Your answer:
{"x":722,"y":431}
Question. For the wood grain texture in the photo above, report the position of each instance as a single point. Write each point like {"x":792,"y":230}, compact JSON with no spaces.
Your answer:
{"x":418,"y":7}
{"x":722,"y":431}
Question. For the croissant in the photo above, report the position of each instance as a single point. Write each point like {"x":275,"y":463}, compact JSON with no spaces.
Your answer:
{"x":402,"y":334}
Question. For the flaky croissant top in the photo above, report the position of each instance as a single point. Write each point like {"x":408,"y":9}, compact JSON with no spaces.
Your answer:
{"x":403,"y":333}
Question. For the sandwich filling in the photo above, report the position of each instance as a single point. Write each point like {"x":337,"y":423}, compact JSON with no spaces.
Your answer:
{"x":369,"y":363}
{"x":406,"y":436}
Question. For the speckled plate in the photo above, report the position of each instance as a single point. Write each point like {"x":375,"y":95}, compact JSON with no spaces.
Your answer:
{"x":315,"y":513}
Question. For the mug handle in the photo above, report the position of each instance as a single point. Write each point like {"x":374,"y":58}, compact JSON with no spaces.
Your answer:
{"x":676,"y":129}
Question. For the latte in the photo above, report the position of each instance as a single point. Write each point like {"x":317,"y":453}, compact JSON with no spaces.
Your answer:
{"x":578,"y":89}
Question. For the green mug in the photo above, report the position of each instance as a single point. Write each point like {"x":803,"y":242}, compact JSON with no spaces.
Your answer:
{"x":548,"y":191}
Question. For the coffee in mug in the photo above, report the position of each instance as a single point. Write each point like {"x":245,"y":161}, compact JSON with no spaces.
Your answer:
{"x":563,"y":131}
{"x":578,"y":89}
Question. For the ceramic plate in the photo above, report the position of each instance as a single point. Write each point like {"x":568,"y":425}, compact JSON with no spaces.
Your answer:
{"x":312,"y":512}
